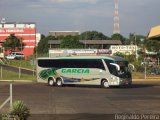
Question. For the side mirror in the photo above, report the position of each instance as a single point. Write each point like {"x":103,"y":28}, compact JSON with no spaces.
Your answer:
{"x":116,"y":65}
{"x":131,"y":67}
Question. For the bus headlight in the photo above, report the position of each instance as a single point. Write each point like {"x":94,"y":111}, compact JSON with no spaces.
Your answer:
{"x":113,"y":78}
{"x":114,"y":82}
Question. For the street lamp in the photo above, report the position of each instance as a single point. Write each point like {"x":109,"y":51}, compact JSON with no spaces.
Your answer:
{"x":20,"y":58}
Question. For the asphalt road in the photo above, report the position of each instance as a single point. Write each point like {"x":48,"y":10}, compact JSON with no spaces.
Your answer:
{"x":84,"y":102}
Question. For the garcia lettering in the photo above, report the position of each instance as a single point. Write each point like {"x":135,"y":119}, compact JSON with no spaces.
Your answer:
{"x":76,"y":71}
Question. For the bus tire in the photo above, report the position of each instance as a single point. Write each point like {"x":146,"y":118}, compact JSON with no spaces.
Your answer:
{"x":105,"y":84}
{"x":51,"y":82}
{"x":129,"y":85}
{"x":59,"y":82}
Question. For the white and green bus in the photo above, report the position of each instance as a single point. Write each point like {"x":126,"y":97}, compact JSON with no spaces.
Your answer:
{"x":87,"y":70}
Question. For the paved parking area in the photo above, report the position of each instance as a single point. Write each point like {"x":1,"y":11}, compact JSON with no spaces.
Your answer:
{"x":141,"y":98}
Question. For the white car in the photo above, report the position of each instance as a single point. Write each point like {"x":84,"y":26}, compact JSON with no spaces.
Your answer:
{"x":15,"y":55}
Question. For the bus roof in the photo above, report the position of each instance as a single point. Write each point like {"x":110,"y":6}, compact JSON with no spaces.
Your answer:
{"x":114,"y":58}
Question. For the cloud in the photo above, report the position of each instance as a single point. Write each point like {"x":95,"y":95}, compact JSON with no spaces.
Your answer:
{"x":61,"y":3}
{"x":75,"y":1}
{"x":135,"y":15}
{"x":35,"y":6}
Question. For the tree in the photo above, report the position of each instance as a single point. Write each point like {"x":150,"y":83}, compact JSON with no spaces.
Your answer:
{"x":131,"y":58}
{"x":71,"y":42}
{"x":119,"y":54}
{"x":93,"y":35}
{"x":42,"y":47}
{"x":152,"y":45}
{"x":118,"y":36}
{"x":13,"y":43}
{"x":135,"y":39}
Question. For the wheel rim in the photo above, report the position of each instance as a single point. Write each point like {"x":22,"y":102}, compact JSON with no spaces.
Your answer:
{"x":105,"y":84}
{"x":51,"y":82}
{"x":59,"y":82}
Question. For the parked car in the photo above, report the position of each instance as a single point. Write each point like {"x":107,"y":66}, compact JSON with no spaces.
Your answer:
{"x":144,"y":63}
{"x":15,"y":55}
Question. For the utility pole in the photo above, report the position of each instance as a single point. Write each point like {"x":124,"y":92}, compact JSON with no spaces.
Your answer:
{"x":136,"y":45}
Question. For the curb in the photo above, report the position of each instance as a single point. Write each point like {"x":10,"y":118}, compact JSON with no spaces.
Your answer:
{"x":146,"y":80}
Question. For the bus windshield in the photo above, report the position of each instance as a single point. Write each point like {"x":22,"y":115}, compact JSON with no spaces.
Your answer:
{"x":123,"y":66}
{"x":124,"y":69}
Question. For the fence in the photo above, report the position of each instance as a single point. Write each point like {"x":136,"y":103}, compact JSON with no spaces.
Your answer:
{"x":146,"y":72}
{"x":16,"y":73}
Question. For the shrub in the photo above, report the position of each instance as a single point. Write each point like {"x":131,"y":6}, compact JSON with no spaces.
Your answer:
{"x":20,"y":109}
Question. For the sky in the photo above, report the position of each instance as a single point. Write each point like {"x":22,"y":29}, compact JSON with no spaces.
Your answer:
{"x":136,"y":16}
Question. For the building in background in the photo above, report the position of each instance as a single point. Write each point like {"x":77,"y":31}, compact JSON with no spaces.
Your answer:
{"x":154,"y":33}
{"x":88,"y":44}
{"x":64,"y":33}
{"x":24,"y":30}
{"x":151,"y":56}
{"x":38,"y":38}
{"x":78,"y":52}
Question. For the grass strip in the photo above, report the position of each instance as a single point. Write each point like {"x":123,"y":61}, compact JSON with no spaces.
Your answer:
{"x":10,"y":75}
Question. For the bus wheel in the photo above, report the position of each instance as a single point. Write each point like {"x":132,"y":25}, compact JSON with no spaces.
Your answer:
{"x":59,"y":82}
{"x":105,"y":84}
{"x":50,"y":82}
{"x":129,"y":84}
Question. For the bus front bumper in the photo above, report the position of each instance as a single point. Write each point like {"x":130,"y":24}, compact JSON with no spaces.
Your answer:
{"x":125,"y":82}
